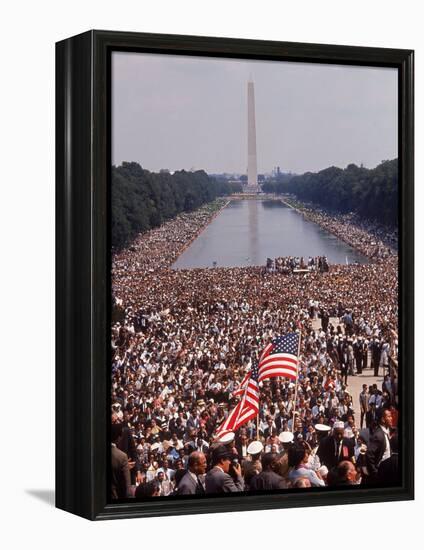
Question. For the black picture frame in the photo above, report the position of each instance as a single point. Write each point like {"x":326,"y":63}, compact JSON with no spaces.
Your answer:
{"x":83,"y":281}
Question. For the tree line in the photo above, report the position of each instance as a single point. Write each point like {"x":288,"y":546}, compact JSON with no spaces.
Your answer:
{"x":371,"y":193}
{"x":142,"y":200}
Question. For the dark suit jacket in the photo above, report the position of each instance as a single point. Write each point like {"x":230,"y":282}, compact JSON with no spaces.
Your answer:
{"x":267,"y":432}
{"x":239,"y":452}
{"x":120,"y":474}
{"x":327,"y":451}
{"x":375,"y":451}
{"x":218,"y":481}
{"x":267,"y":481}
{"x":388,"y":471}
{"x":189,"y":486}
{"x":127,"y":445}
{"x":279,"y":420}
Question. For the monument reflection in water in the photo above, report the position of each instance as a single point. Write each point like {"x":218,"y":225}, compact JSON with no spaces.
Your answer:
{"x":247,"y":232}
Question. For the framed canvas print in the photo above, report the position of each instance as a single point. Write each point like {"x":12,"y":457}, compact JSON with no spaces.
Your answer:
{"x":234,"y":275}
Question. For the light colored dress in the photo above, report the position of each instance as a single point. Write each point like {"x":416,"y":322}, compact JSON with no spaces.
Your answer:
{"x":296,"y":473}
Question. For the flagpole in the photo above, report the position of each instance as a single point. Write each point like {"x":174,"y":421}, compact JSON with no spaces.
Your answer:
{"x":257,"y":427}
{"x":297,"y":378}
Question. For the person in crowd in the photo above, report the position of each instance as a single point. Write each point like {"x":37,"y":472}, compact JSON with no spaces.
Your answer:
{"x":252,"y":465}
{"x":335,"y":448}
{"x":242,"y":446}
{"x":147,"y":490}
{"x":268,"y":479}
{"x":298,"y":459}
{"x":363,"y":404}
{"x":376,"y":355}
{"x":218,"y":479}
{"x":168,"y":472}
{"x":180,"y":471}
{"x":120,"y":470}
{"x":346,"y":473}
{"x":320,"y":431}
{"x":379,"y":448}
{"x":371,"y":417}
{"x":165,"y":485}
{"x":193,"y":483}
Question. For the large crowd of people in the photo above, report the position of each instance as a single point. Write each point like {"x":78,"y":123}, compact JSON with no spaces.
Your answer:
{"x":183,"y":340}
{"x":371,"y":239}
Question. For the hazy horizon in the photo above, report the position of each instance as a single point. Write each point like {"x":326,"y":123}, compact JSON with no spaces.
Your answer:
{"x":180,"y":112}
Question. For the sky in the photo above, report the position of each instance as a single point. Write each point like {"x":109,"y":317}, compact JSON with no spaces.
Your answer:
{"x":180,"y":112}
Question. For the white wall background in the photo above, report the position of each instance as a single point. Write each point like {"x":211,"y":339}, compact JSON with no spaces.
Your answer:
{"x":28,"y":33}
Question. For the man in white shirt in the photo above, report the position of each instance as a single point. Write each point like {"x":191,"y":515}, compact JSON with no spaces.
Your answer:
{"x":376,"y":399}
{"x":318,"y":409}
{"x":167,"y":472}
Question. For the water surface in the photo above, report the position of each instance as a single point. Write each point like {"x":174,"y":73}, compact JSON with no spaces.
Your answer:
{"x":247,"y":232}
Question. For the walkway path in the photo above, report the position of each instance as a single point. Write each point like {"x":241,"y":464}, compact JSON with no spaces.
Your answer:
{"x":355,"y":382}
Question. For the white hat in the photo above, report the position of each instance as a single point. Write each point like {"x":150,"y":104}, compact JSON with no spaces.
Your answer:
{"x":322,"y":427}
{"x":255,"y":448}
{"x":338,"y":425}
{"x":154,"y":446}
{"x":286,"y":437}
{"x":227,"y":438}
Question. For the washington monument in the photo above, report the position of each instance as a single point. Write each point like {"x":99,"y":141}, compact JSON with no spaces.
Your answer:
{"x":252,"y":167}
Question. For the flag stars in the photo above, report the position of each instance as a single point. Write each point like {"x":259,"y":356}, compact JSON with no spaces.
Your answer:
{"x":254,"y":372}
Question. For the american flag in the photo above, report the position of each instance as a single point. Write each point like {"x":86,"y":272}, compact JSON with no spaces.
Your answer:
{"x":279,"y":358}
{"x":246,"y":408}
{"x":242,"y":386}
